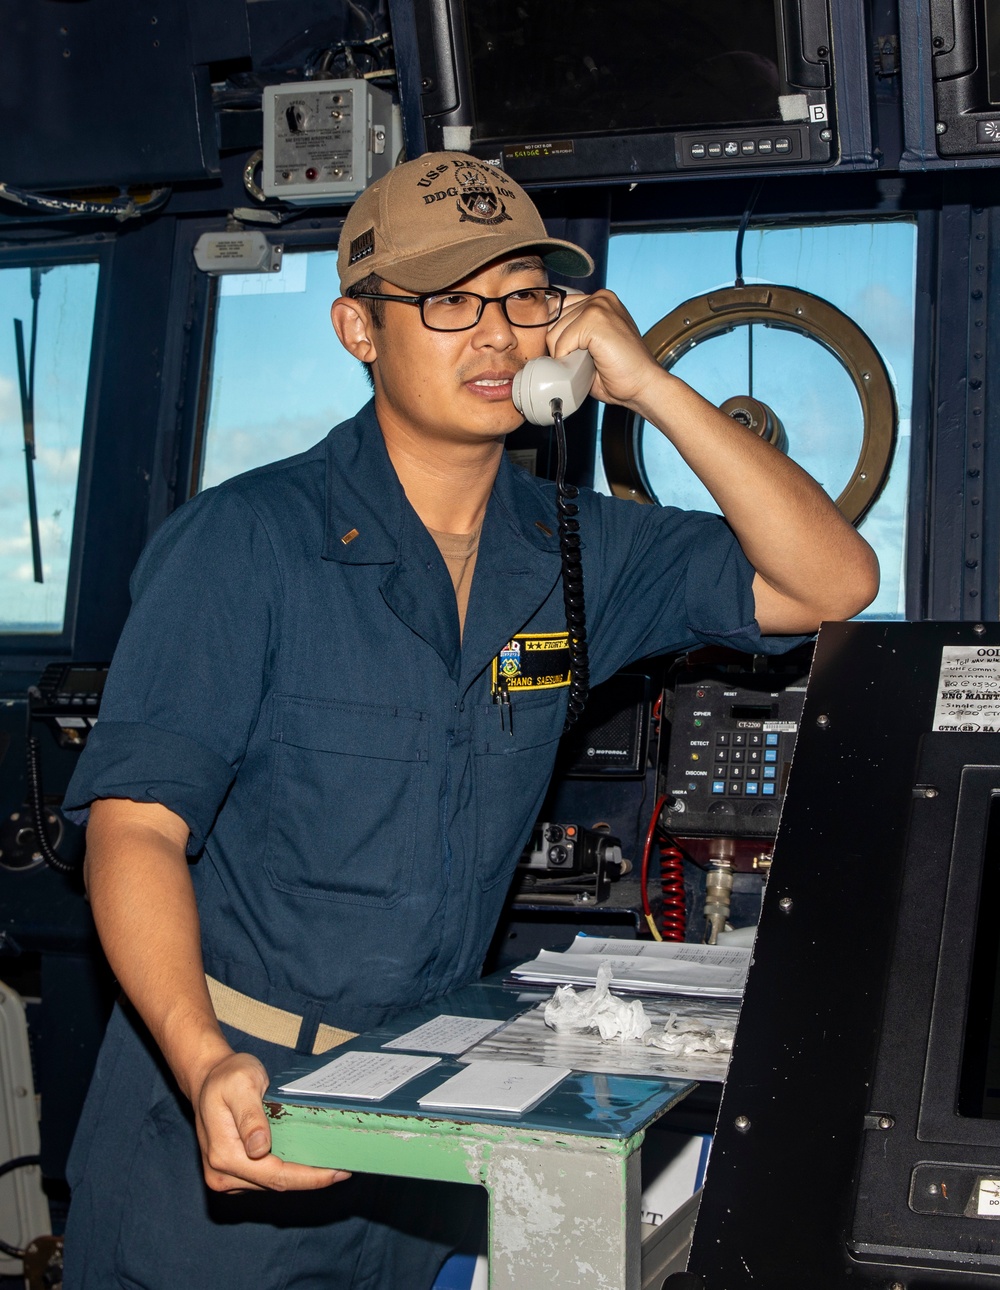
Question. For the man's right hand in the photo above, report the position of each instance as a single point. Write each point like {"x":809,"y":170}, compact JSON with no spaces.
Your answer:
{"x":235,"y":1137}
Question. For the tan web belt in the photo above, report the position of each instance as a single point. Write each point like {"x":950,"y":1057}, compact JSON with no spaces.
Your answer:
{"x":264,"y":1021}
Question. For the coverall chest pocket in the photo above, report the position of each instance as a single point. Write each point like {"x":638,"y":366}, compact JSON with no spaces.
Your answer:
{"x":348,"y":781}
{"x":512,"y":772}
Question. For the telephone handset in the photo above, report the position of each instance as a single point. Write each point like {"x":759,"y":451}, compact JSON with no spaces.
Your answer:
{"x":543,"y":379}
{"x":544,"y":391}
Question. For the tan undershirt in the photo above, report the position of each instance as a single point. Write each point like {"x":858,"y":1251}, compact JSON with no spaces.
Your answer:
{"x":458,"y":550}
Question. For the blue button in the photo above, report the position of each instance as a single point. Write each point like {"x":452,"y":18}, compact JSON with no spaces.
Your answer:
{"x":718,"y":785}
{"x":768,"y":789}
{"x":692,"y":788}
{"x":770,"y":754}
{"x":770,"y":772}
{"x":771,"y":740}
{"x":752,"y":788}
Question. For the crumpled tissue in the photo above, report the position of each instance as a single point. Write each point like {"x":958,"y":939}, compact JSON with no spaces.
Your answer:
{"x":570,"y":1013}
{"x":685,"y":1036}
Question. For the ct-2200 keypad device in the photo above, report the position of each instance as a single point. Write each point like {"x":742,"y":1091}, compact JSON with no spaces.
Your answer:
{"x":730,"y":752}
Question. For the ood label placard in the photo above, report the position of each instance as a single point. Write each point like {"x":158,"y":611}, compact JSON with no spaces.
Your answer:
{"x":968,"y":696}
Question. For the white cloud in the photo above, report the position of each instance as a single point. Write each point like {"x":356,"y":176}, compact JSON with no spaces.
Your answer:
{"x":50,"y":533}
{"x":26,"y":572}
{"x":15,"y":545}
{"x":232,"y":450}
{"x":61,"y":465}
{"x":10,"y":400}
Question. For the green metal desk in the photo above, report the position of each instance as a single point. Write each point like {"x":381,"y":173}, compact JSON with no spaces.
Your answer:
{"x":563,"y":1179}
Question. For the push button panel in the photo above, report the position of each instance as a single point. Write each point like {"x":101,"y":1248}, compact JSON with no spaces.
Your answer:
{"x":744,"y":737}
{"x":768,"y":145}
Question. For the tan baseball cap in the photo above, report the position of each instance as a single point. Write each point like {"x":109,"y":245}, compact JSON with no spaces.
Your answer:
{"x":429,"y":223}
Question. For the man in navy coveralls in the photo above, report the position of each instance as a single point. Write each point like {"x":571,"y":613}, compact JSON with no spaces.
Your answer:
{"x":305,"y":804}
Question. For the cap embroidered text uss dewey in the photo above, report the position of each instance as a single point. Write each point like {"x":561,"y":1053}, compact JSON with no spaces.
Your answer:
{"x":429,"y":223}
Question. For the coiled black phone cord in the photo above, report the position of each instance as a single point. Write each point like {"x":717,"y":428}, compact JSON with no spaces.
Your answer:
{"x":36,"y":802}
{"x":572,"y":576}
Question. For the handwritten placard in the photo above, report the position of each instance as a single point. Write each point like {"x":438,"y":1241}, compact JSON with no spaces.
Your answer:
{"x":446,"y":1034}
{"x":367,"y":1076}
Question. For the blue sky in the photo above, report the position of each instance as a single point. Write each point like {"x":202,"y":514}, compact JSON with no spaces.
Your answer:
{"x":281,"y":378}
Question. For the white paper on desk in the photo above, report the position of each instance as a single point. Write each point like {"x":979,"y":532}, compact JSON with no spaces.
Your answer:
{"x":658,"y":967}
{"x":446,"y":1034}
{"x":368,"y":1076}
{"x":513,"y":1087}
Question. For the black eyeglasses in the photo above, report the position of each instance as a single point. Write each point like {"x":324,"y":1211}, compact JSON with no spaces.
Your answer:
{"x":460,"y":310}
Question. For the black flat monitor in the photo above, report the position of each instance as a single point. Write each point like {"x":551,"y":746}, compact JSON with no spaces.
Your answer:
{"x":572,"y":91}
{"x":965,"y":55}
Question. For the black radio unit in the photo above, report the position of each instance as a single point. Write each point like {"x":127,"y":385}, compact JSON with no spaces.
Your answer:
{"x":730,"y":752}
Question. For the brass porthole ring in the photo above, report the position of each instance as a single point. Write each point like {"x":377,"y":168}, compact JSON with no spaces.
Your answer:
{"x":718,"y":312}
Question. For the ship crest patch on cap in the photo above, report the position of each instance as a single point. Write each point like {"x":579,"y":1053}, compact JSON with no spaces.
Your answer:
{"x":478,"y":200}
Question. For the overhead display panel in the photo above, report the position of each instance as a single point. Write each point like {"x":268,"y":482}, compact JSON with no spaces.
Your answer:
{"x":556,"y":92}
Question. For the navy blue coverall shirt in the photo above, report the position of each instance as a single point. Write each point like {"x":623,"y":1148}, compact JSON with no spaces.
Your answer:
{"x":302,"y":699}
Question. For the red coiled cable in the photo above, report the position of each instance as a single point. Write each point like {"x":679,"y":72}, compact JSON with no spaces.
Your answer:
{"x":673,"y":920}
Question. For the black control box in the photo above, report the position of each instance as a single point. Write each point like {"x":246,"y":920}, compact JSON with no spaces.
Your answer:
{"x":730,"y":752}
{"x":568,"y":864}
{"x":67,"y":699}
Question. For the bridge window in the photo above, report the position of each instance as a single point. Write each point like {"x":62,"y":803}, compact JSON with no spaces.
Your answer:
{"x":867,"y":270}
{"x":280,"y":377}
{"x":46,"y":327}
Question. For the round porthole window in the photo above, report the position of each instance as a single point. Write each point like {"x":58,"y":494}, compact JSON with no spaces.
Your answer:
{"x":762,"y":337}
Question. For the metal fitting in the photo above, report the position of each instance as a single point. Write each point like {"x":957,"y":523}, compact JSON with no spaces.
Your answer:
{"x":718,"y":887}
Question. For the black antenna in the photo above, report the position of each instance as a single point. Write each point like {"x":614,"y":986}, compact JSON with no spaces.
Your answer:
{"x":26,"y":378}
{"x":740,"y":235}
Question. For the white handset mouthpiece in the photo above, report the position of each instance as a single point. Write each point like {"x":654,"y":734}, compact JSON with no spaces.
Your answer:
{"x":543,"y":379}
